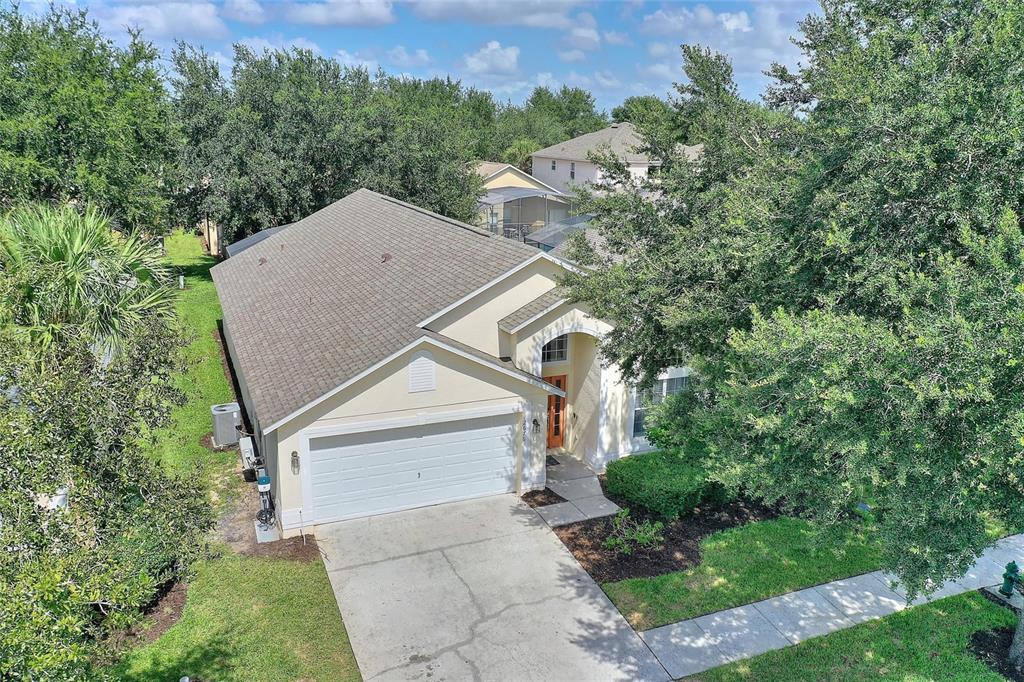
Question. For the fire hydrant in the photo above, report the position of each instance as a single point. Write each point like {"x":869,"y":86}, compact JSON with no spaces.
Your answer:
{"x":1010,"y":579}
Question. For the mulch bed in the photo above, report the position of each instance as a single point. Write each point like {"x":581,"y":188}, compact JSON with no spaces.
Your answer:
{"x":681,"y":550}
{"x":991,"y":648}
{"x":542,"y":498}
{"x":159,"y":617}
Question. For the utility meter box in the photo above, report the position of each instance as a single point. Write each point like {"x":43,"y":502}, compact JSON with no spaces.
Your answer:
{"x":226,"y":420}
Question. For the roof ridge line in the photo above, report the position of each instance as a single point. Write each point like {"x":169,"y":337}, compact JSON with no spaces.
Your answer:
{"x":419,"y":209}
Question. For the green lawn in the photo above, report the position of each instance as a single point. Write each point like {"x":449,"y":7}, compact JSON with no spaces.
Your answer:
{"x":179,"y":445}
{"x":927,"y":642}
{"x":249,"y":620}
{"x":742,"y":565}
{"x":245,"y":618}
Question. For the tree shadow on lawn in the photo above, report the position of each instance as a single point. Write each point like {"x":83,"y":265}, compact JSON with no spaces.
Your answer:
{"x":208,"y":661}
{"x":197,"y":269}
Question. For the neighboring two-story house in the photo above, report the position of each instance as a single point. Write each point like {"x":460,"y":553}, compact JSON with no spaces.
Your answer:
{"x":568,"y":163}
{"x":390,"y":358}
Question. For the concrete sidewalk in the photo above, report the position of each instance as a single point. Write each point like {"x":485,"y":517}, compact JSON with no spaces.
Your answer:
{"x":692,"y":646}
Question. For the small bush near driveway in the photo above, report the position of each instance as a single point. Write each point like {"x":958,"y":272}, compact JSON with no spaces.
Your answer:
{"x":629,"y":534}
{"x":664,"y":483}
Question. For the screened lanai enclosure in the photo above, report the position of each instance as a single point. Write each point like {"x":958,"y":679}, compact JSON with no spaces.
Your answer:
{"x":517,"y":212}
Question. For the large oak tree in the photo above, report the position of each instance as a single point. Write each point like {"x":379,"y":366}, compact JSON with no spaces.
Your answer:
{"x":843,"y":265}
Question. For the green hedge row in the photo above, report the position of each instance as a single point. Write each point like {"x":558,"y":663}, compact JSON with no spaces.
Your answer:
{"x":664,"y":483}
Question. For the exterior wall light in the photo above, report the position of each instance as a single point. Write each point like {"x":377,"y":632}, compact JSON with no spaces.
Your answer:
{"x":295,"y":462}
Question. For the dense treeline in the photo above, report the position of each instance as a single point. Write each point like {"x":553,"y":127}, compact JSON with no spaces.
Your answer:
{"x":289,"y":132}
{"x":280,"y":136}
{"x":82,"y":119}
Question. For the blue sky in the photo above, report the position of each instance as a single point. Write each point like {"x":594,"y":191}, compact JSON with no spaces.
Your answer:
{"x":614,"y":49}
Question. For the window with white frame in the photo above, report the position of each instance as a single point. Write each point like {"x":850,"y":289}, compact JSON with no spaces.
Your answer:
{"x":556,"y":350}
{"x":572,"y":170}
{"x":652,"y":396}
{"x":552,"y":164}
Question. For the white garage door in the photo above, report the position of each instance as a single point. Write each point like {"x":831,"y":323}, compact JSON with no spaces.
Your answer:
{"x":361,"y":474}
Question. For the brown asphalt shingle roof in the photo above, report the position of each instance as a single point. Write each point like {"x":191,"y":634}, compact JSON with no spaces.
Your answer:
{"x":531,"y":309}
{"x":621,"y":138}
{"x":486,"y":169}
{"x":316,"y":304}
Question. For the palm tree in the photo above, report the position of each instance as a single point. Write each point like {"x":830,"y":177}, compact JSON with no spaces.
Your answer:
{"x":69,"y":272}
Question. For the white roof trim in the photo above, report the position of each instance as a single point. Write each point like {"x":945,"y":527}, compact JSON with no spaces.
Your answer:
{"x":539,"y":383}
{"x":568,"y":265}
{"x":533,"y":381}
{"x":518,"y":327}
{"x":541,"y":255}
{"x":522,"y":173}
{"x":476,"y":292}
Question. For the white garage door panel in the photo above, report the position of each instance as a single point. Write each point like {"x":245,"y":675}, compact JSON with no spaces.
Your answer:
{"x":380,"y":471}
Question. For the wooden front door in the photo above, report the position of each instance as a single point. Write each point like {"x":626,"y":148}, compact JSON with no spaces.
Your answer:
{"x":556,"y":413}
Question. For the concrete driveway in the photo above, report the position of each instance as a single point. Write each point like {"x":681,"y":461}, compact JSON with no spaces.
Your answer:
{"x":475,"y":590}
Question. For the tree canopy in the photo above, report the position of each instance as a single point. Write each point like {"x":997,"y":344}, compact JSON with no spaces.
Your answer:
{"x":291,"y":131}
{"x":82,"y":119}
{"x":843,"y":267}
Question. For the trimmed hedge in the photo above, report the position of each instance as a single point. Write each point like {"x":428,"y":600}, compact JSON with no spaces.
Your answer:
{"x":663,"y":483}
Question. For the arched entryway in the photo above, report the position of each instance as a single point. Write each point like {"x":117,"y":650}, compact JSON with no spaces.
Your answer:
{"x":568,"y":358}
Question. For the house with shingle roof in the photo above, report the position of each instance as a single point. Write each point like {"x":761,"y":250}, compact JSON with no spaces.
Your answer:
{"x":568,"y":164}
{"x":390,"y":358}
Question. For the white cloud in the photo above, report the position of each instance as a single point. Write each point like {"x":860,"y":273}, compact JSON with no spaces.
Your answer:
{"x":356,"y":60}
{"x":245,"y":11}
{"x":752,"y":40}
{"x":342,"y":13}
{"x":578,"y":79}
{"x":518,"y":86}
{"x":276,"y":42}
{"x":545,"y":79}
{"x":163,"y":20}
{"x":571,"y":55}
{"x":660,"y":71}
{"x":224,"y":62}
{"x":617,"y":38}
{"x":532,"y":13}
{"x":606,"y":79}
{"x":493,"y":59}
{"x":403,"y":59}
{"x":584,"y":35}
{"x":658,"y":50}
{"x":738,"y":21}
{"x":678,"y":20}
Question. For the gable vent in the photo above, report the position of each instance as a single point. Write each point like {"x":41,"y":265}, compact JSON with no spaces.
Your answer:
{"x":422,"y":372}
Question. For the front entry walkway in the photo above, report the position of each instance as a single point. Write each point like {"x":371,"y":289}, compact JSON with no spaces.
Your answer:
{"x":578,"y":484}
{"x":475,"y":590}
{"x":692,"y":646}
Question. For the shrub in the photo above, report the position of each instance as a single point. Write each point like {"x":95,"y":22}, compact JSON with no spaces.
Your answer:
{"x":72,"y":573}
{"x":664,"y":483}
{"x":628,"y":535}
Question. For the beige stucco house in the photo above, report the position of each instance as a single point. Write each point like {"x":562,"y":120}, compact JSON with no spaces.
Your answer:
{"x":391,"y":358}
